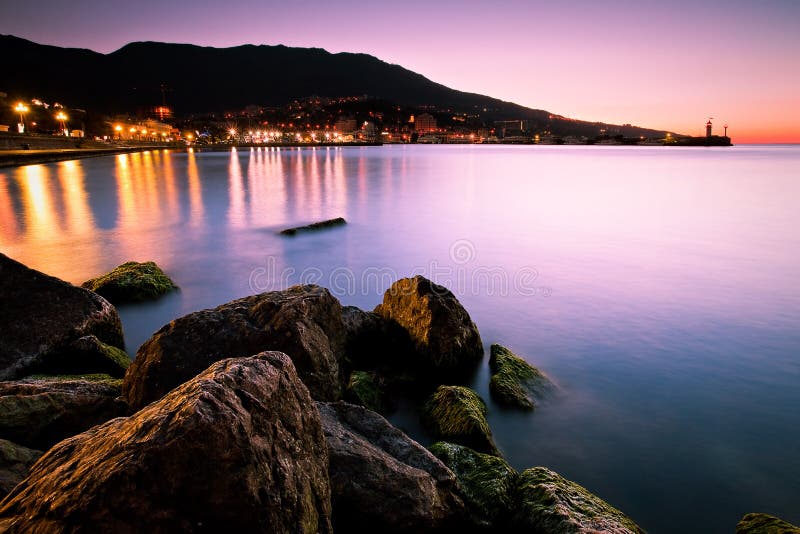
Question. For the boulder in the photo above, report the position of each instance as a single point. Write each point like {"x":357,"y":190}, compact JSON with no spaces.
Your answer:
{"x":514,"y":381}
{"x":238,"y":448}
{"x":15,"y":460}
{"x":304,"y":322}
{"x":373,"y":342}
{"x":458,"y":414}
{"x":85,"y":355}
{"x":382,"y":480}
{"x":132,"y":282}
{"x":41,"y":411}
{"x":365,"y":389}
{"x":443,"y":335}
{"x":546,"y":502}
{"x":488,"y":482}
{"x":41,"y":315}
{"x":765,"y":524}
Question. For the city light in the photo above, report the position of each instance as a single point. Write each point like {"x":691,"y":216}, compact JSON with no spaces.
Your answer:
{"x":22,"y":109}
{"x":62,"y":118}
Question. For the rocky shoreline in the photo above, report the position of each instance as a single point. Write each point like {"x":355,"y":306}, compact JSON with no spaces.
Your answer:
{"x":265,"y":414}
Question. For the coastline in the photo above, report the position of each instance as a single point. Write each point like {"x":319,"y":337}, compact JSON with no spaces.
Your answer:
{"x":15,"y":158}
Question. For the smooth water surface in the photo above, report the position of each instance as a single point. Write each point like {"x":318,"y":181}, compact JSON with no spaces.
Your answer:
{"x":657,"y":286}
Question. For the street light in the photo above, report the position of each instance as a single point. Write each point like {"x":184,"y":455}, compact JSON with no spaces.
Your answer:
{"x":22,"y":109}
{"x":62,"y":118}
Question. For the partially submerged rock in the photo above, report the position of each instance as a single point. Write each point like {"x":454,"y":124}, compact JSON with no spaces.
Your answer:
{"x":304,"y":322}
{"x":41,"y":315}
{"x":458,"y":414}
{"x":132,"y":282}
{"x":15,"y":460}
{"x":365,"y":389}
{"x":382,"y":480}
{"x":514,"y":381}
{"x":765,"y":524}
{"x":374,"y":342}
{"x":238,"y":448}
{"x":547,"y":502}
{"x":487,"y":481}
{"x":85,"y":355}
{"x":39,"y":412}
{"x":442,"y":332}
{"x":338,"y":221}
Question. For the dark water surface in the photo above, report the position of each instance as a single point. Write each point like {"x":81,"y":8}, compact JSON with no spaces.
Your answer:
{"x":657,"y":286}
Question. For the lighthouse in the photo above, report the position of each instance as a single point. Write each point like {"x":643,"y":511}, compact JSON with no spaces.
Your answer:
{"x":708,"y":128}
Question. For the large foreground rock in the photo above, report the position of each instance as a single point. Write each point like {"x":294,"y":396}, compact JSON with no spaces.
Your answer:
{"x":132,"y":282}
{"x":514,"y":381}
{"x":382,"y":480}
{"x":547,"y":502}
{"x":41,"y":315}
{"x":458,"y":414}
{"x":39,"y":412}
{"x":441,"y":330}
{"x":765,"y":524}
{"x":304,"y":322}
{"x":239,"y":448}
{"x":15,"y":460}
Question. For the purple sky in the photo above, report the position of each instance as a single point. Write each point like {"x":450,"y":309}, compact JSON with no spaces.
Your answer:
{"x":661,"y":64}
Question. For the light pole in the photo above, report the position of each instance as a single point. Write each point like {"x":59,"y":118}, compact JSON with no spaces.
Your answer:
{"x":726,"y":130}
{"x":22,"y":109}
{"x":62,"y":118}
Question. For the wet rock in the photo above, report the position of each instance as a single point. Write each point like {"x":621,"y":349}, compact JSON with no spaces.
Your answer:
{"x":458,"y":414}
{"x":488,"y":482}
{"x":373,"y":342}
{"x":514,"y":381}
{"x":238,"y":448}
{"x":546,"y":502}
{"x":365,"y":389}
{"x":304,"y":322}
{"x":382,"y":480}
{"x":15,"y":460}
{"x":338,"y":221}
{"x":39,"y":412}
{"x":132,"y":282}
{"x":85,"y":355}
{"x":60,"y":312}
{"x":442,"y":332}
{"x":765,"y":524}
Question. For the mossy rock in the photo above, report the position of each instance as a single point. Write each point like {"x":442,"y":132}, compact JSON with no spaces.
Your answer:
{"x":547,"y":502}
{"x":488,"y":482}
{"x":458,"y":414}
{"x":132,"y":282}
{"x":101,"y":378}
{"x":765,"y":524}
{"x":514,"y":381}
{"x":85,"y":355}
{"x":364,"y":388}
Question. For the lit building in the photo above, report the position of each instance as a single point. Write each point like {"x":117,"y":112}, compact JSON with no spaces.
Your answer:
{"x":345,"y":125}
{"x":148,"y":130}
{"x":425,"y":123}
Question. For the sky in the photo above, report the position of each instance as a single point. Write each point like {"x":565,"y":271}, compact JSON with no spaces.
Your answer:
{"x":660,"y":64}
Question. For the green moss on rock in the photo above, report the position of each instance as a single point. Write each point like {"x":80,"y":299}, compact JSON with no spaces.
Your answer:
{"x":364,"y":389}
{"x":547,"y":502}
{"x":765,"y":524}
{"x":514,"y":381}
{"x":488,"y":482}
{"x":458,"y":414}
{"x":132,"y":282}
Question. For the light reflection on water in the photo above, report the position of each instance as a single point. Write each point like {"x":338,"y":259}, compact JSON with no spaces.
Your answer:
{"x":666,"y":303}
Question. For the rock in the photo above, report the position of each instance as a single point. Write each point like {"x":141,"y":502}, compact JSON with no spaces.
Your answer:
{"x":60,"y":312}
{"x":15,"y":460}
{"x":382,"y":480}
{"x":458,"y":414}
{"x":488,"y":482}
{"x":514,"y":381}
{"x":338,"y":221}
{"x":304,"y":322}
{"x":39,"y":412}
{"x":238,"y":448}
{"x":442,"y":333}
{"x":765,"y":524}
{"x":365,"y":389}
{"x":85,"y":355}
{"x":546,"y":502}
{"x":132,"y":282}
{"x":373,"y":342}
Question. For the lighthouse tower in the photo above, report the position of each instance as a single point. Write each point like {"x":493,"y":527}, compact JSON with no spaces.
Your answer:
{"x":708,"y":128}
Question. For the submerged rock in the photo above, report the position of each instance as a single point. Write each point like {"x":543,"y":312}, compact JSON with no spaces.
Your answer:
{"x":547,"y":502}
{"x":765,"y":524}
{"x":304,"y":322}
{"x":458,"y":414}
{"x":441,"y":330}
{"x":41,"y":315}
{"x":132,"y":282}
{"x":39,"y":412}
{"x":514,"y":381}
{"x":365,"y":389}
{"x":382,"y":480}
{"x":15,"y":460}
{"x":338,"y":221}
{"x":488,"y":482}
{"x":238,"y":448}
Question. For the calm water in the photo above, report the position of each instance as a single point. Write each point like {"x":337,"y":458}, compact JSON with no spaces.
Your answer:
{"x":658,"y":287}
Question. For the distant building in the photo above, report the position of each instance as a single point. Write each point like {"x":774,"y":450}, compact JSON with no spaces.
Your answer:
{"x":708,"y":128}
{"x":425,"y":123}
{"x":149,"y":130}
{"x":345,"y":125}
